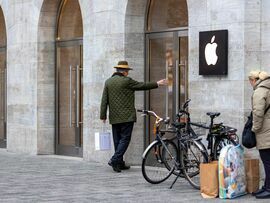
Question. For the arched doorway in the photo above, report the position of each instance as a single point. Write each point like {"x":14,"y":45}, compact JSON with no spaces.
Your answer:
{"x":3,"y":76}
{"x":167,"y":56}
{"x":69,"y":79}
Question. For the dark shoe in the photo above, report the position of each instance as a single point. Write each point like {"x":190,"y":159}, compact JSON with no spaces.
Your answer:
{"x":259,"y":191}
{"x":116,"y":168}
{"x":264,"y":195}
{"x":110,"y":163}
{"x":123,"y":166}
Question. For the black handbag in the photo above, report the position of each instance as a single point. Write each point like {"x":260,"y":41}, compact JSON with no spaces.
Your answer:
{"x":248,"y":137}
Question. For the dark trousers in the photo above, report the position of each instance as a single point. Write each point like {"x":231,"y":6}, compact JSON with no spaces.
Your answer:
{"x":265,"y":156}
{"x":121,"y":138}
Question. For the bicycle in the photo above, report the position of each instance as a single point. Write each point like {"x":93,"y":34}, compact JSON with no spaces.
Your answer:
{"x":218,"y":135}
{"x":163,"y":157}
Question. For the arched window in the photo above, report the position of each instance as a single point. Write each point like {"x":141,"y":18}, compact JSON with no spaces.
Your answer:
{"x":69,"y":21}
{"x":167,"y":14}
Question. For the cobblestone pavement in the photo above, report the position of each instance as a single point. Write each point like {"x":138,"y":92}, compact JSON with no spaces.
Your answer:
{"x":43,"y":178}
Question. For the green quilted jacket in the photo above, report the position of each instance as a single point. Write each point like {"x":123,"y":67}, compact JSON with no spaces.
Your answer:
{"x":118,"y":95}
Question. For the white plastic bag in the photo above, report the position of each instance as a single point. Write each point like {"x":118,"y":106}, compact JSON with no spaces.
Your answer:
{"x":232,"y":180}
{"x":103,"y":140}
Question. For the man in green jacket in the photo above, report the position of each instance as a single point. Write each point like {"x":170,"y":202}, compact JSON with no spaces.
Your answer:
{"x":118,"y":95}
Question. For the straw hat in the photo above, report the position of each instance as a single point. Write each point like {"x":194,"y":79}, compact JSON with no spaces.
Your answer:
{"x":123,"y":65}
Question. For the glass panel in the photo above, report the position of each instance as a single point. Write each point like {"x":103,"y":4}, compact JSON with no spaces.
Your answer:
{"x":2,"y":96}
{"x":67,"y":106}
{"x":2,"y":30}
{"x":70,"y":21}
{"x":167,"y":14}
{"x":183,"y":66}
{"x":2,"y":80}
{"x":161,"y":66}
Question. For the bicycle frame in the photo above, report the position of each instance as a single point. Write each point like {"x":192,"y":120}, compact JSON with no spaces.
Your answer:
{"x":212,"y":137}
{"x":159,"y":135}
{"x":179,"y":159}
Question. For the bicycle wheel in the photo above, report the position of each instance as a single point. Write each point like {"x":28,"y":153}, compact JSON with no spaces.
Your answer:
{"x":191,"y":157}
{"x":153,"y":167}
{"x":220,"y":143}
{"x":169,"y":163}
{"x":167,"y":159}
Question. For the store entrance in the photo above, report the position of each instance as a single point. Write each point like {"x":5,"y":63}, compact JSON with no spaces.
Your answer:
{"x":69,"y":79}
{"x":2,"y":98}
{"x":69,"y":98}
{"x":167,"y":57}
{"x":3,"y":82}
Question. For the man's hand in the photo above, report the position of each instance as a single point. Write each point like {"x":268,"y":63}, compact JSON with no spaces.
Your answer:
{"x":162,"y":82}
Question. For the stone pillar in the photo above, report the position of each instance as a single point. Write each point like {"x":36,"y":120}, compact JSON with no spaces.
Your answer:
{"x":103,"y":23}
{"x":22,"y":76}
{"x":134,"y":53}
{"x":46,"y":76}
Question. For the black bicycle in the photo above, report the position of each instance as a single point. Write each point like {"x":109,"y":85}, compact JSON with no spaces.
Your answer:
{"x":180,"y":155}
{"x":218,"y":135}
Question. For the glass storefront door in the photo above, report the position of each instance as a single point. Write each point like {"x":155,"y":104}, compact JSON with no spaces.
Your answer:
{"x":69,"y":98}
{"x":2,"y":98}
{"x":3,"y":81}
{"x":167,"y":55}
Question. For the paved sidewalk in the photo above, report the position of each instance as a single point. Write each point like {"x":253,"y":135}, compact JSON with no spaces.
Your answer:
{"x":62,"y":179}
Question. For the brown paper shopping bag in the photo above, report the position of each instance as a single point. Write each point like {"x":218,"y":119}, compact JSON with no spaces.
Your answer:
{"x":209,"y":179}
{"x":252,"y":174}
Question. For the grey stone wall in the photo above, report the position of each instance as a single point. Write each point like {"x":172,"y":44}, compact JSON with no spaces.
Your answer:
{"x":134,"y":53}
{"x":223,"y":94}
{"x":21,"y":75}
{"x":114,"y":30}
{"x":103,"y":23}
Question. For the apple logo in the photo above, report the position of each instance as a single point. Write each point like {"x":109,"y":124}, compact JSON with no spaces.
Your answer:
{"x":210,"y":52}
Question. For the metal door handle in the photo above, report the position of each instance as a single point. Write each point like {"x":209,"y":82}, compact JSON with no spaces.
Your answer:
{"x":167,"y":90}
{"x":177,"y":86}
{"x":2,"y":90}
{"x":186,"y":78}
{"x":70,"y":96}
{"x":5,"y":100}
{"x":77,"y":95}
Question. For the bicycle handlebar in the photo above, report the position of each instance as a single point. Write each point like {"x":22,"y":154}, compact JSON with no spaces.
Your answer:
{"x":148,"y":112}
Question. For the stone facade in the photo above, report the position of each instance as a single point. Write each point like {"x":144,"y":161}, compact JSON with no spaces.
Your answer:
{"x":114,"y":30}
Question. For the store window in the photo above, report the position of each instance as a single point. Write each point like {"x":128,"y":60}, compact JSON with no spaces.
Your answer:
{"x":166,"y":57}
{"x":166,"y":14}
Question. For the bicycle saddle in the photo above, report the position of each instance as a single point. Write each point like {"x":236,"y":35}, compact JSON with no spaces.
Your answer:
{"x":213,"y":114}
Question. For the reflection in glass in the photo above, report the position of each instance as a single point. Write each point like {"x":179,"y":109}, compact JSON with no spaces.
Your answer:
{"x":161,"y":66}
{"x":183,"y":66}
{"x":2,"y":80}
{"x":70,"y":21}
{"x":67,"y":57}
{"x":167,"y":14}
{"x":70,"y":79}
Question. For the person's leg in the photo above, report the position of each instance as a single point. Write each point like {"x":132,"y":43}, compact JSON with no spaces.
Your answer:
{"x":265,"y":156}
{"x":116,"y":131}
{"x":126,"y":131}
